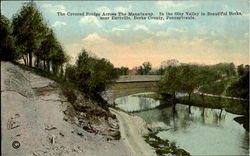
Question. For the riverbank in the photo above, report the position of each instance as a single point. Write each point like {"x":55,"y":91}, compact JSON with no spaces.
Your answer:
{"x":235,"y":106}
{"x":36,"y":112}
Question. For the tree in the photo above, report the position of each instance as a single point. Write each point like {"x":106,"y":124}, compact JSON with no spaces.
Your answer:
{"x":188,"y":81}
{"x":147,"y":66}
{"x":206,"y":77}
{"x":58,"y":60}
{"x":122,"y":70}
{"x":224,"y":69}
{"x":240,"y":70}
{"x":8,"y":52}
{"x":240,"y":87}
{"x":170,"y":63}
{"x":144,"y":69}
{"x":29,"y":30}
{"x":49,"y":49}
{"x":170,"y":82}
{"x":70,"y":73}
{"x":93,"y":74}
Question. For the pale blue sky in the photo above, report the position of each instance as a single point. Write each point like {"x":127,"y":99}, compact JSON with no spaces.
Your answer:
{"x":129,"y":43}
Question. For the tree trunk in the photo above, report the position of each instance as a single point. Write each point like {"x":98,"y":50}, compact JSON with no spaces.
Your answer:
{"x":27,"y":59}
{"x":173,"y":104}
{"x":203,"y":100}
{"x":220,"y":113}
{"x":44,"y":65}
{"x":203,"y":111}
{"x":61,"y":71}
{"x":24,"y":60}
{"x":189,"y":102}
{"x":48,"y":66}
{"x":37,"y":62}
{"x":30,"y":59}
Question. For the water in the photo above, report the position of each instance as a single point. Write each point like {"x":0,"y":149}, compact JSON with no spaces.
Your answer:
{"x":208,"y":132}
{"x":136,"y":102}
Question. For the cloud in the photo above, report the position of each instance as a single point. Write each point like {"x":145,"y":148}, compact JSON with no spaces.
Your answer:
{"x":169,"y":4}
{"x":121,"y":9}
{"x":90,"y":19}
{"x":246,"y":35}
{"x":58,"y":24}
{"x":127,"y":25}
{"x":93,"y":37}
{"x":158,"y":21}
{"x":103,"y":9}
{"x":246,"y":15}
{"x":162,"y":5}
{"x":198,"y":50}
{"x":168,"y":32}
{"x":54,"y":8}
{"x":141,"y":27}
{"x":117,"y":29}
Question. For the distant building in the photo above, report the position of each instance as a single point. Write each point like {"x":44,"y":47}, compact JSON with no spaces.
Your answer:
{"x":132,"y":72}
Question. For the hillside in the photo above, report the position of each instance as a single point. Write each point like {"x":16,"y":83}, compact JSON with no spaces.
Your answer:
{"x":50,"y":120}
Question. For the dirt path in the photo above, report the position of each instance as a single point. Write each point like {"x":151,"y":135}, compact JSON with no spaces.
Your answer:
{"x":132,"y":130}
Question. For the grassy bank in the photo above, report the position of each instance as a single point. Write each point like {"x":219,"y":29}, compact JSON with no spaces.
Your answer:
{"x":50,"y":75}
{"x":163,"y":147}
{"x":234,"y":106}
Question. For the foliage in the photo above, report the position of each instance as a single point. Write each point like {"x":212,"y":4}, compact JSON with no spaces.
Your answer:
{"x":224,"y":69}
{"x":70,"y":73}
{"x":240,"y":87}
{"x":91,"y":74}
{"x":163,"y":147}
{"x":240,"y":69}
{"x":34,"y":38}
{"x":213,"y":79}
{"x":8,"y":52}
{"x":171,"y":80}
{"x":29,"y":30}
{"x":51,"y":51}
{"x":122,"y":70}
{"x":144,"y":69}
{"x":188,"y":79}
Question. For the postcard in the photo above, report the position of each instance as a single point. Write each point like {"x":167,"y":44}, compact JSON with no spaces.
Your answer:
{"x":124,"y":78}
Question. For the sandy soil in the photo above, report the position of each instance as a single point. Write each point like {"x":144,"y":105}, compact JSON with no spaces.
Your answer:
{"x":132,"y":129}
{"x":36,"y":121}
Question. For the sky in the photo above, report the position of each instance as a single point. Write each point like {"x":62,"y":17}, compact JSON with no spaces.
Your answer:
{"x":205,"y":40}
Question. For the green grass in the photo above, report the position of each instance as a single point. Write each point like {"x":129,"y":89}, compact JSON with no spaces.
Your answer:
{"x":234,"y":106}
{"x":154,"y":96}
{"x":209,"y":101}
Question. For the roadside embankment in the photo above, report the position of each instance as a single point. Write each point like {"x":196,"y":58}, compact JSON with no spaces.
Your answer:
{"x":37,"y":113}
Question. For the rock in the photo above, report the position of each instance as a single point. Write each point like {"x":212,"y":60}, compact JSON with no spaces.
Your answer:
{"x":52,"y":139}
{"x":61,"y":134}
{"x":116,"y":135}
{"x":80,"y":134}
{"x":77,"y":149}
{"x":154,"y":129}
{"x":66,"y":118}
{"x":75,"y":120}
{"x":50,"y":127}
{"x":107,"y":95}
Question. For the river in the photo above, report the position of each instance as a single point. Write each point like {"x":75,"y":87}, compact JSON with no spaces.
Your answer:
{"x":208,"y":132}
